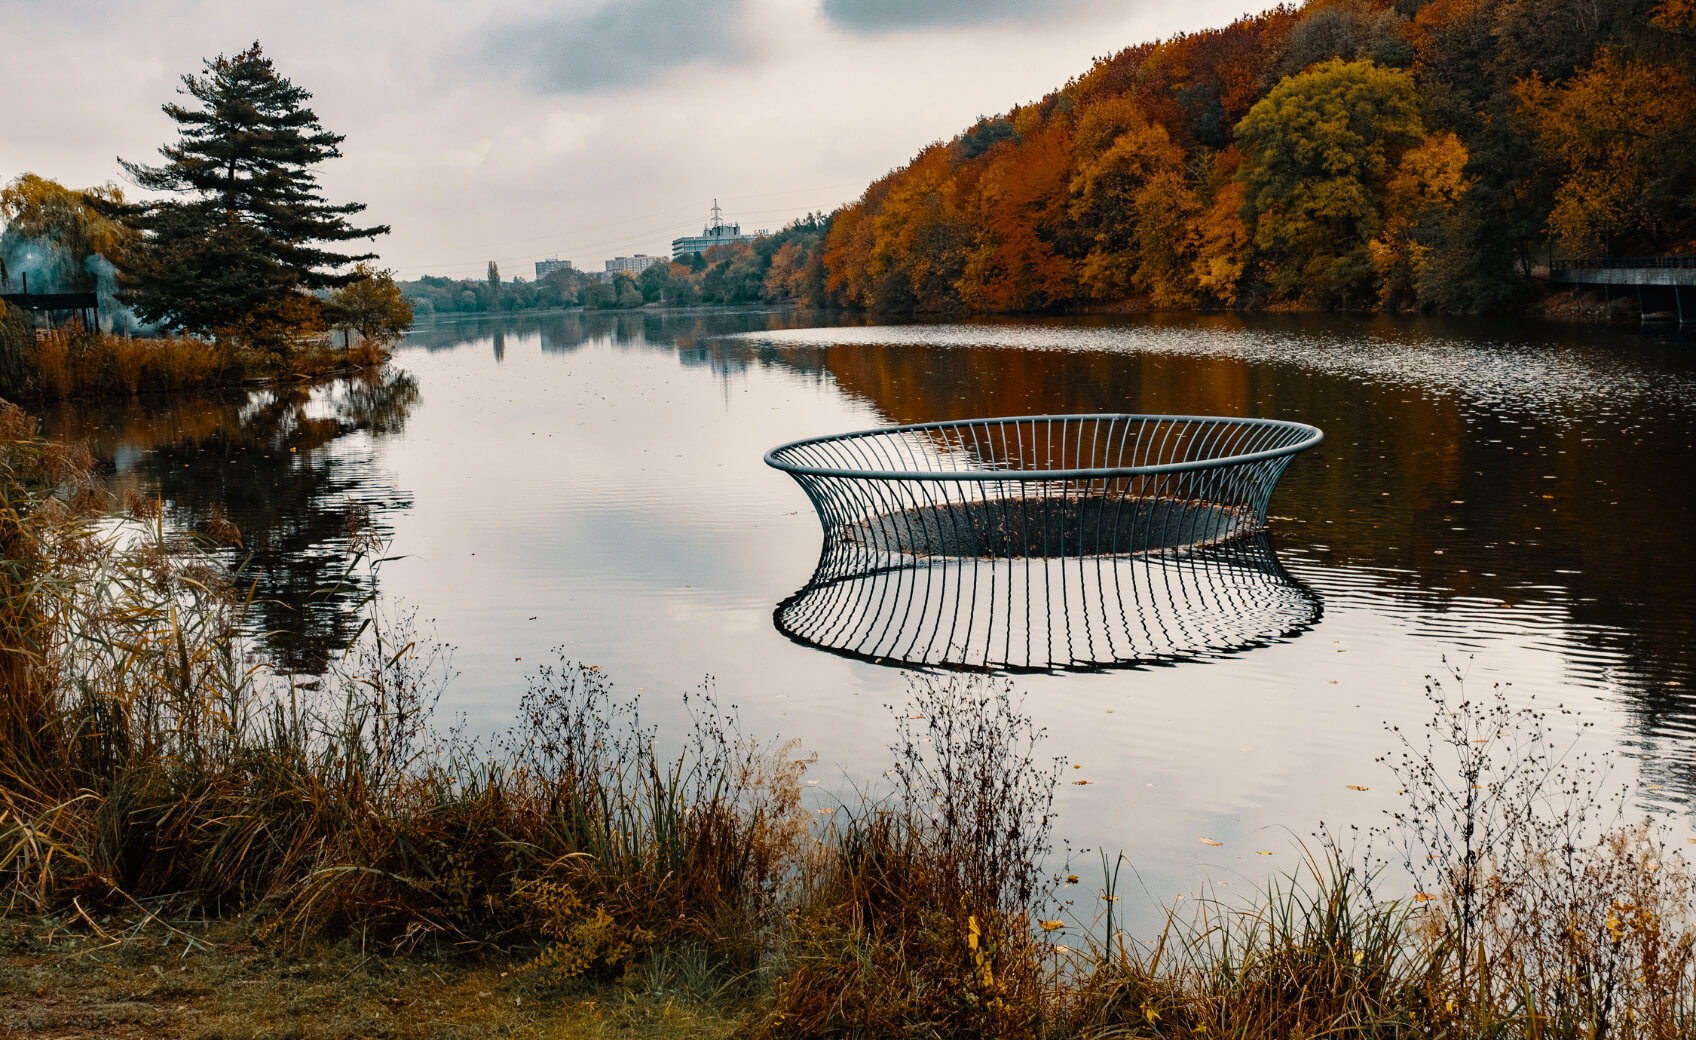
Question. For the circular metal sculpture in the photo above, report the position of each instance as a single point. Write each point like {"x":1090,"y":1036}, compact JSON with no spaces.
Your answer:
{"x":1046,"y":542}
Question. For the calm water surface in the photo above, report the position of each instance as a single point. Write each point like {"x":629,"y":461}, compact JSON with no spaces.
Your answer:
{"x":1516,"y":499}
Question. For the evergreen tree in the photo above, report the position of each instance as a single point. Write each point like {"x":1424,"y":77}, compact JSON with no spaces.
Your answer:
{"x":241,"y":248}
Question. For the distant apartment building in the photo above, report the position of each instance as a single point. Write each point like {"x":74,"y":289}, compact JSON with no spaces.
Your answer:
{"x":632,"y":265}
{"x":547,"y":267}
{"x":716,"y":233}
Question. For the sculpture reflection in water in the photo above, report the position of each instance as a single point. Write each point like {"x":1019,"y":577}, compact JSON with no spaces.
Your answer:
{"x":1046,"y":543}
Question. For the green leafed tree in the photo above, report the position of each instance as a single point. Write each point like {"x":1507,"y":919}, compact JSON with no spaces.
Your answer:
{"x":1320,"y":151}
{"x":371,"y":305}
{"x":241,"y":244}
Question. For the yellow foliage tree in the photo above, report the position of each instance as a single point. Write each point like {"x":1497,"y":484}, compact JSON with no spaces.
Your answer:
{"x":1165,"y":207}
{"x":1119,"y":155}
{"x":1675,"y":16}
{"x":1221,"y":239}
{"x":1616,"y":131}
{"x":1320,"y":150}
{"x":371,"y":305}
{"x":921,"y":236}
{"x":1428,"y":182}
{"x":72,"y":226}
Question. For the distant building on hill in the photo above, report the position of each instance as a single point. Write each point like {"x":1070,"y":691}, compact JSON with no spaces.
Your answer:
{"x":633,"y":264}
{"x":547,"y":267}
{"x":716,"y":233}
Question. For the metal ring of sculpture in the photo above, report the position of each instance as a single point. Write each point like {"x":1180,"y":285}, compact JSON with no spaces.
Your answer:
{"x":1046,"y":542}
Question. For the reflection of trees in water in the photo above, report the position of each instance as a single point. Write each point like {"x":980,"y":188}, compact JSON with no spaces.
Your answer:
{"x":561,"y":332}
{"x":268,"y":461}
{"x":1506,"y":498}
{"x":1446,"y":507}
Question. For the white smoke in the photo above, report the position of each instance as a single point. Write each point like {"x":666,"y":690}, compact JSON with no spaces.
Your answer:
{"x":44,"y":266}
{"x":115,"y":315}
{"x":40,"y":266}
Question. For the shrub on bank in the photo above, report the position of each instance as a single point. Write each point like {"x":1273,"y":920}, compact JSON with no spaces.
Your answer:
{"x":151,"y":768}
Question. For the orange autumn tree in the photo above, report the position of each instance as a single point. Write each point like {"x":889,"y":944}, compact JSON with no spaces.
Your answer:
{"x":1020,"y":214}
{"x":848,"y":248}
{"x":1220,"y":239}
{"x":1427,"y":183}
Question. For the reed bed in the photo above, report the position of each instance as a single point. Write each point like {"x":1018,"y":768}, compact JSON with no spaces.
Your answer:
{"x":155,"y":773}
{"x":70,"y":363}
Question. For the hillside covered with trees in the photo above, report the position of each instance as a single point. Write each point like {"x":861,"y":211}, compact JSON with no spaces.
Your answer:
{"x":1389,"y":154}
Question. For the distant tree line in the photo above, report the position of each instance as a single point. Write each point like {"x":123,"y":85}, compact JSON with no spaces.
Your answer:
{"x":782,"y":267}
{"x":1393,"y":154}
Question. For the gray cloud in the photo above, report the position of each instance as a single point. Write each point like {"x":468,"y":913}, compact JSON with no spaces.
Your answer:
{"x":618,"y":43}
{"x":869,"y":17}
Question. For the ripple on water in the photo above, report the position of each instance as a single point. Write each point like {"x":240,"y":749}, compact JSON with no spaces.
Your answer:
{"x":1551,"y":380}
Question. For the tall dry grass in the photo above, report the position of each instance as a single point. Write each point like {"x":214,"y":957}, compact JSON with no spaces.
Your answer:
{"x":150,"y":765}
{"x":147,"y":757}
{"x":70,"y":363}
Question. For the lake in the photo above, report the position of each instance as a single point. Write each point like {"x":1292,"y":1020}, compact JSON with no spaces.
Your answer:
{"x":1512,"y":499}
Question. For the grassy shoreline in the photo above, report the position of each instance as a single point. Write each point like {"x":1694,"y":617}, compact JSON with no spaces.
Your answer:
{"x":170,"y":807}
{"x":75,"y":364}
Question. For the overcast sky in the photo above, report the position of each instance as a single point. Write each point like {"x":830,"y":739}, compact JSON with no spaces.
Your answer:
{"x":525,"y":129}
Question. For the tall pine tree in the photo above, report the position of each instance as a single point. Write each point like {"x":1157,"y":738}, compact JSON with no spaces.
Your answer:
{"x":241,"y":248}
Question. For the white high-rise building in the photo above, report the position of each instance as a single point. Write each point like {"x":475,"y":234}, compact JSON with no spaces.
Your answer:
{"x":547,"y":267}
{"x":633,"y":264}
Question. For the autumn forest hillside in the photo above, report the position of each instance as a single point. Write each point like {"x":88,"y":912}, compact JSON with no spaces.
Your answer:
{"x":1351,"y":154}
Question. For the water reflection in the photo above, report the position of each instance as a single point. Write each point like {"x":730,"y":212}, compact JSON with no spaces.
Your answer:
{"x":1062,"y":613}
{"x":1502,"y":480}
{"x":290,"y":466}
{"x":1517,"y":492}
{"x":1512,"y":482}
{"x":1467,"y":463}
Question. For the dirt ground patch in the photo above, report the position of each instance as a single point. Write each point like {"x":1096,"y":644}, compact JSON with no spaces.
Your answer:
{"x":217,"y":984}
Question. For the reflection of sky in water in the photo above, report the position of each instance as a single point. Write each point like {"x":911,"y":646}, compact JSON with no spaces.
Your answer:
{"x":599,"y":488}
